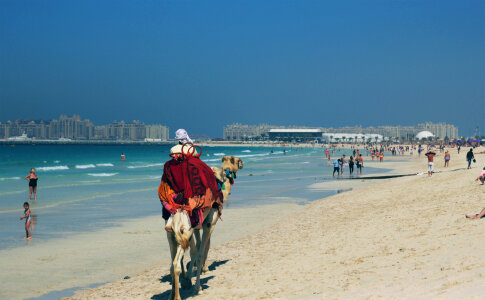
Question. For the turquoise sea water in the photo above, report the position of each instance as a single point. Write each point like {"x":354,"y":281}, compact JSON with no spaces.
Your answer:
{"x":85,"y":188}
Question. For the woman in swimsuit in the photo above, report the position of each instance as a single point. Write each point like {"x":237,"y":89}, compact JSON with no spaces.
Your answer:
{"x":26,"y":216}
{"x":447,"y":159}
{"x":32,"y":179}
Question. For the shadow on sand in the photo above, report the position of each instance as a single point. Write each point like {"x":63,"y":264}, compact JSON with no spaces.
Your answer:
{"x":187,"y":293}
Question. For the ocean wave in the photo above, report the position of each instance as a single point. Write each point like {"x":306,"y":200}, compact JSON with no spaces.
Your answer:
{"x":54,"y":168}
{"x":219,"y":154}
{"x":102,"y":174}
{"x":57,"y":161}
{"x":146,"y":166}
{"x":246,"y":151}
{"x":253,"y":155}
{"x":9,"y":178}
{"x":212,"y":159}
{"x":85,"y":166}
{"x":105,"y":165}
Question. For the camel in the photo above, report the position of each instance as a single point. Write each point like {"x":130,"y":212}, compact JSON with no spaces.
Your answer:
{"x":231,"y":164}
{"x":180,"y":238}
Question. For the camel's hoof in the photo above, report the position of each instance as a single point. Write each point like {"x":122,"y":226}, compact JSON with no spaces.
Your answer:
{"x":205,"y":269}
{"x":198,"y":290}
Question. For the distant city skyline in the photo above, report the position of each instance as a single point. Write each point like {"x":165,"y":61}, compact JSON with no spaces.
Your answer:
{"x":200,"y":65}
{"x":74,"y":127}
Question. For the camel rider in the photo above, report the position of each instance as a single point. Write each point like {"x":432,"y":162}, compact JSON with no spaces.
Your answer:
{"x":187,"y":183}
{"x":183,"y":138}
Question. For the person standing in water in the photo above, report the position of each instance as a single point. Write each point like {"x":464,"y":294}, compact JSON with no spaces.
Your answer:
{"x":123,"y":157}
{"x":351,"y":165}
{"x":32,"y":179}
{"x":26,"y":216}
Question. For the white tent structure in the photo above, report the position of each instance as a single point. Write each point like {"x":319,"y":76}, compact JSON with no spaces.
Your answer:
{"x":424,"y":135}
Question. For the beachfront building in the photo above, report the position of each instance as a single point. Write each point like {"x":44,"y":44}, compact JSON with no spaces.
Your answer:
{"x":240,"y":132}
{"x":71,"y":128}
{"x":295,"y":134}
{"x":442,"y":131}
{"x":156,"y":133}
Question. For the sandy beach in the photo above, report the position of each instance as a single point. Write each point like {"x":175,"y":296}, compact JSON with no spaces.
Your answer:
{"x":401,"y":238}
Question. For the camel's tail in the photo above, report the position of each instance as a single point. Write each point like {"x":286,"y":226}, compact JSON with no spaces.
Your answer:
{"x":181,"y":229}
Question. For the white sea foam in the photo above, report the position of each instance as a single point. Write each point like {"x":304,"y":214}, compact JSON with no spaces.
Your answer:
{"x":85,"y":166}
{"x":9,"y":178}
{"x":57,"y":161}
{"x":102,"y":174}
{"x":212,"y":159}
{"x":246,"y":151}
{"x":54,"y":168}
{"x":253,"y":155}
{"x":105,"y":165}
{"x":219,"y":154}
{"x":145,"y":166}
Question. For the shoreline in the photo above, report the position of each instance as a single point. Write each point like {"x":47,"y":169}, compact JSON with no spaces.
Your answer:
{"x":225,"y":230}
{"x":391,"y":239}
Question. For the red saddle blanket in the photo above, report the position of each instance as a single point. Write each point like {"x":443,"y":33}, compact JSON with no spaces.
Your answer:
{"x":191,"y":176}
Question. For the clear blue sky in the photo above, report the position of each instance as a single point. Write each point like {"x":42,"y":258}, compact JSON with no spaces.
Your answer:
{"x":202,"y":64}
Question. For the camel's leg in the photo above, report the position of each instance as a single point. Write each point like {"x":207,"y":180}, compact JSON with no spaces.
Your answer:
{"x":187,"y":279}
{"x":206,"y":227}
{"x":173,"y":251}
{"x":197,"y":239}
{"x":211,"y":221}
{"x":205,"y":268}
{"x":176,"y":273}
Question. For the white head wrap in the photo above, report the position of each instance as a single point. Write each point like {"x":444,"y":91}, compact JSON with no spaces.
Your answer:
{"x":182,"y":136}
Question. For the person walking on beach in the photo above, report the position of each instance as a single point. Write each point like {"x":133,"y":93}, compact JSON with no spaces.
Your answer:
{"x":381,"y":156}
{"x":351,"y":165}
{"x":26,"y":216}
{"x":430,"y":156}
{"x":447,"y":159}
{"x":336,"y":167}
{"x":470,"y":157}
{"x":32,"y":179}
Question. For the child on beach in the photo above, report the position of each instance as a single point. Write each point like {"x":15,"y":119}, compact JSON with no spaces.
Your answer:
{"x":27,"y":218}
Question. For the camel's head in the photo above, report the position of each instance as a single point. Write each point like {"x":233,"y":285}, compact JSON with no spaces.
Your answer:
{"x":181,"y":228}
{"x":219,"y":174}
{"x":231,"y":163}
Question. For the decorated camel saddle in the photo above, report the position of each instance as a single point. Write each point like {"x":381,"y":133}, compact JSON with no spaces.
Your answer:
{"x":188,"y":184}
